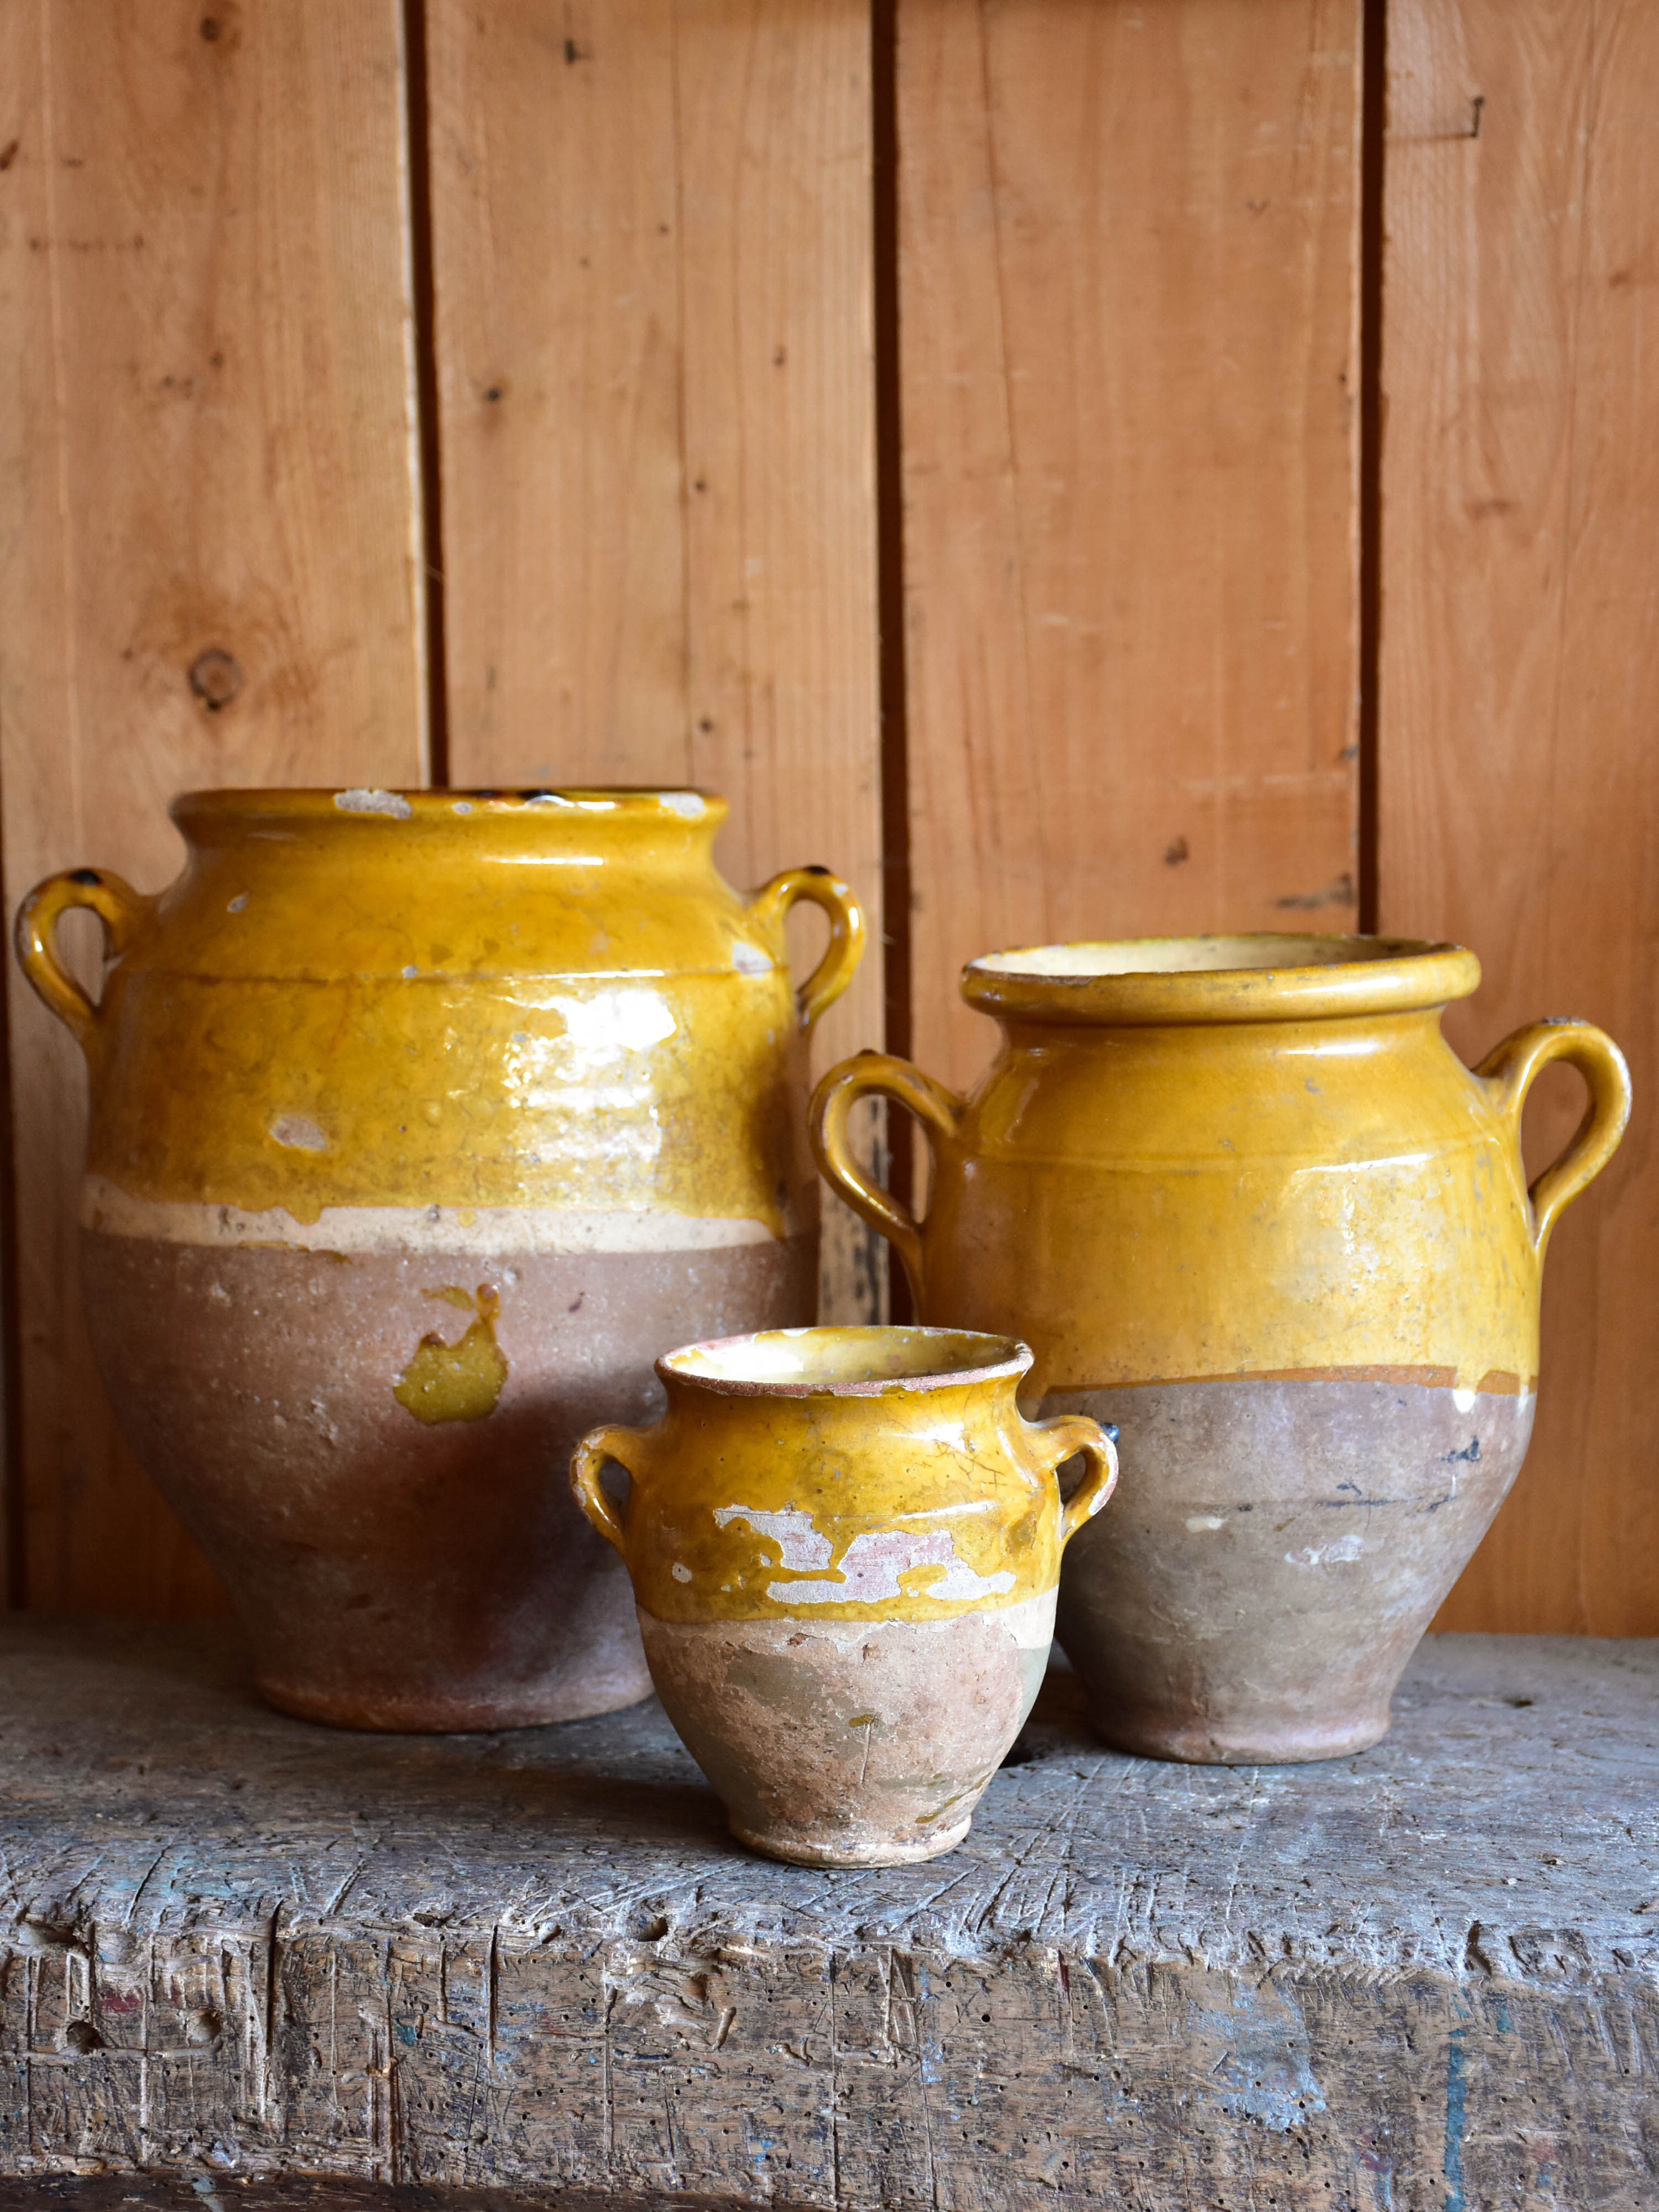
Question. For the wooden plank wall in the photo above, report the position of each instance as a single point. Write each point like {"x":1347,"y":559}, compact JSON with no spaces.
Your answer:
{"x":206,"y":449}
{"x":1519,"y":695}
{"x":1129,"y":263}
{"x":652,"y":271}
{"x":616,"y":368}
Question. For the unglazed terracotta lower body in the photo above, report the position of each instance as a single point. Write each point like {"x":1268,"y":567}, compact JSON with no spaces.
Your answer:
{"x":1276,"y":1549}
{"x":851,"y":1743}
{"x":412,"y":1561}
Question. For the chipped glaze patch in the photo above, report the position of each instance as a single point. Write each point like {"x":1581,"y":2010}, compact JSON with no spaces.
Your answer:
{"x":800,"y":1547}
{"x":852,"y":1474}
{"x":300,"y":1135}
{"x":1346,"y":1548}
{"x":390,"y":803}
{"x":869,"y":1570}
{"x":1196,"y":1521}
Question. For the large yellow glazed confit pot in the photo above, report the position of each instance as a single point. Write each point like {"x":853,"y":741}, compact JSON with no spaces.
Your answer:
{"x":845,"y":1544}
{"x":421,"y":1122}
{"x":1243,"y":1200}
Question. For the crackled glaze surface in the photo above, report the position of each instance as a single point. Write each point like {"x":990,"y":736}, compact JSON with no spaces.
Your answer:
{"x":421,"y":1122}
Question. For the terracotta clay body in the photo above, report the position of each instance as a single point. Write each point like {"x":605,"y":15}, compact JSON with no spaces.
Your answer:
{"x":1243,"y":1200}
{"x":420,"y":1123}
{"x":845,"y":1544}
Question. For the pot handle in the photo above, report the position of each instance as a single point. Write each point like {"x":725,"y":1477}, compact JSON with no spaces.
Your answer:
{"x":117,"y":905}
{"x":1507,"y":1071}
{"x":878,"y":1074}
{"x":1076,"y":1432}
{"x":847,"y":932}
{"x":586,"y":1461}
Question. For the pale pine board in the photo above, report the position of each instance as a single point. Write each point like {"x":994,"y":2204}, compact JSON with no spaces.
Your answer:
{"x":652,"y":236}
{"x":1128,"y":297}
{"x":205,"y":441}
{"x":1520,"y":673}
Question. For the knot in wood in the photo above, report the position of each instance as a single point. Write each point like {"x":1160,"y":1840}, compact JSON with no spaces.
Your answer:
{"x":215,"y":679}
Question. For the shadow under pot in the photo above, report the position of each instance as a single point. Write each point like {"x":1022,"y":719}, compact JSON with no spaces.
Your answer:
{"x":1243,"y":1200}
{"x":420,"y":1122}
{"x":844,"y":1544}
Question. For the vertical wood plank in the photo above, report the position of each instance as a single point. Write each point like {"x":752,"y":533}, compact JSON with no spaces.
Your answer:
{"x":651,"y":235}
{"x":206,"y":441}
{"x":1519,"y":786}
{"x":1128,"y":268}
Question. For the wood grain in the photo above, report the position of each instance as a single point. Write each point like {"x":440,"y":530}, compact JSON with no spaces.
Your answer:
{"x":652,"y":230}
{"x":1128,"y":298}
{"x":242,"y":1947}
{"x":1520,"y":667}
{"x":205,"y":447}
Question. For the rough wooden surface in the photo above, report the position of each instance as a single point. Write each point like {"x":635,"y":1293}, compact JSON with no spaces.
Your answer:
{"x":1519,"y":666}
{"x":223,"y":2192}
{"x":208,"y":524}
{"x":240,"y":1946}
{"x":1128,"y":268}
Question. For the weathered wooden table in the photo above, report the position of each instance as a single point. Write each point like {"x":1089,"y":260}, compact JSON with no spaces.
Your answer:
{"x":238,"y":1946}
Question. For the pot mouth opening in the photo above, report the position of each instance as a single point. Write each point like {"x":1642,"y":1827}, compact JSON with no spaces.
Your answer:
{"x":1197,"y":956}
{"x":1258,"y":976}
{"x":633,"y":804}
{"x":844,"y":1363}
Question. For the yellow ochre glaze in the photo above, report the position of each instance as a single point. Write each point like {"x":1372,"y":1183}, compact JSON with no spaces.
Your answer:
{"x":459,"y":1382}
{"x":544,"y":1000}
{"x":842,"y":1474}
{"x":1204,"y":1157}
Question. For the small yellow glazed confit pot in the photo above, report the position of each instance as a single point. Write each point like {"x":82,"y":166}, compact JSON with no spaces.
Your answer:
{"x":420,"y":1122}
{"x":844,"y":1545}
{"x":1245,"y":1202}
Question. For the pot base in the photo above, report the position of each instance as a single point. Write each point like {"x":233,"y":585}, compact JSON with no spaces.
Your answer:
{"x":437,"y":1716}
{"x":398,"y":1564}
{"x":851,"y":1742}
{"x":1281,"y":1544}
{"x":797,"y":1851}
{"x":1192,"y":1744}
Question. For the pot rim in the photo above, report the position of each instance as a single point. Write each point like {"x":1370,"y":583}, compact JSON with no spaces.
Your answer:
{"x":677,"y":805}
{"x":1292,"y":977}
{"x":985,"y":1358}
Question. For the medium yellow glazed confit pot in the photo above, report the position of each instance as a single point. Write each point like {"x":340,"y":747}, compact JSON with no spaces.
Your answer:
{"x":420,"y":1122}
{"x":845,"y":1544}
{"x":1244,"y":1202}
